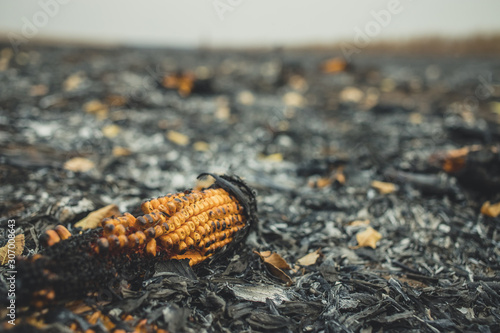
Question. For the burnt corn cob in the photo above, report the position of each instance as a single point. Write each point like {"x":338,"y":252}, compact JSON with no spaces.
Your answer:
{"x":194,"y":225}
{"x":191,"y":225}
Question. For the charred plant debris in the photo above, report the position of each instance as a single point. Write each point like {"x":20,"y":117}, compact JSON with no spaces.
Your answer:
{"x":377,"y":186}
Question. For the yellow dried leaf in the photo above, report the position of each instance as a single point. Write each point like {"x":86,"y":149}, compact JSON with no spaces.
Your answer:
{"x":178,"y":138}
{"x":383,"y":187}
{"x":111,"y":131}
{"x":18,"y":249}
{"x":309,"y":259}
{"x":490,"y":210}
{"x":368,"y":237}
{"x":79,"y":164}
{"x":275,"y":264}
{"x":274,"y":259}
{"x":93,"y":220}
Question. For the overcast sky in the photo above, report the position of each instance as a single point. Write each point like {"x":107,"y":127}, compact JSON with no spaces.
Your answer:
{"x":194,"y":23}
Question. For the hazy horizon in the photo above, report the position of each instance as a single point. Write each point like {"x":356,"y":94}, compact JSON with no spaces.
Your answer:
{"x":222,"y":23}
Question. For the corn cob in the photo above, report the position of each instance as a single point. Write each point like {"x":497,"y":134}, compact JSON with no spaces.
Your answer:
{"x":188,"y":225}
{"x":192,"y":225}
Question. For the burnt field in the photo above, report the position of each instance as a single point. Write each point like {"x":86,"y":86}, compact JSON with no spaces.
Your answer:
{"x":373,"y":179}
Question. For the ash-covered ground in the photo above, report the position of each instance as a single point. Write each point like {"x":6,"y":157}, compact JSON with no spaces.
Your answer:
{"x":84,"y":128}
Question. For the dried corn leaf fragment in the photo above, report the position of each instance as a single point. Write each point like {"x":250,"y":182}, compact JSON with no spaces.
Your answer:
{"x":275,"y":264}
{"x":93,"y":220}
{"x":383,"y":187}
{"x":17,"y":249}
{"x":368,"y":237}
{"x":309,"y":259}
{"x":490,"y":210}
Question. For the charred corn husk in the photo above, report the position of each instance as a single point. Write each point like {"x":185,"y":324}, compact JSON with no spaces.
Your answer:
{"x":194,"y":225}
